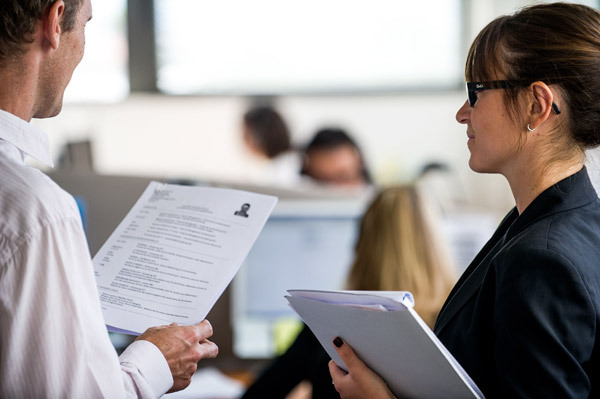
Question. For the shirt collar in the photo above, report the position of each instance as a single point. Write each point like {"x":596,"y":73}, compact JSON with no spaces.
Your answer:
{"x":27,"y":138}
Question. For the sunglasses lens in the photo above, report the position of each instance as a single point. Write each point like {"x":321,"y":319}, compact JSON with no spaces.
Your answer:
{"x":472,"y":95}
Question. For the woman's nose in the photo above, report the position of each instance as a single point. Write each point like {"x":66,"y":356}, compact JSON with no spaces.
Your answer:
{"x":462,"y":116}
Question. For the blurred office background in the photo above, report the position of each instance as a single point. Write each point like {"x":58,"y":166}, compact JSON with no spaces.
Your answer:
{"x":163,"y":85}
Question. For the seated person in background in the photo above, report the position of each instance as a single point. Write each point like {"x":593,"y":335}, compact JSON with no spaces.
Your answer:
{"x":397,"y":249}
{"x":267,"y":138}
{"x":265,"y":133}
{"x":332,"y":157}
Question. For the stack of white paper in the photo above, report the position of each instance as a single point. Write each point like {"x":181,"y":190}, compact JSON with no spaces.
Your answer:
{"x":389,"y":336}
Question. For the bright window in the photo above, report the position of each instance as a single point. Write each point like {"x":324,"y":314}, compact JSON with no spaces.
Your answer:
{"x":278,"y":47}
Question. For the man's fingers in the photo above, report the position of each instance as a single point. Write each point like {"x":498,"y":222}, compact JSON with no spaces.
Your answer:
{"x":208,"y":349}
{"x":353,"y":363}
{"x":203,"y":330}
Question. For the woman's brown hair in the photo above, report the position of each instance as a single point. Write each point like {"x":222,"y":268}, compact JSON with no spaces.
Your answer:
{"x":268,"y":130}
{"x":399,"y":249}
{"x":558,"y":44}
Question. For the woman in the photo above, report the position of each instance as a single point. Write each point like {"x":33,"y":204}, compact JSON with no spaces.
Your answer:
{"x":267,"y":138}
{"x":265,"y":133}
{"x":397,"y":249}
{"x":524,"y":319}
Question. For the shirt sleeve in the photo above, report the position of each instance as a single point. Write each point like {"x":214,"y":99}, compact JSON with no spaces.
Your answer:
{"x":544,"y":325}
{"x":146,"y":368}
{"x":52,"y":330}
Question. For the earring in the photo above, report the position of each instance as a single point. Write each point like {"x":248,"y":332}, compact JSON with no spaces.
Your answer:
{"x":529,"y":128}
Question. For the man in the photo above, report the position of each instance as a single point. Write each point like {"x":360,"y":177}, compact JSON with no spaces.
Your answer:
{"x":333,"y":158}
{"x":53,"y":342}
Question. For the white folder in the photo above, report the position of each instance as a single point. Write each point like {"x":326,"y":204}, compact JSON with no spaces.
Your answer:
{"x":389,"y":336}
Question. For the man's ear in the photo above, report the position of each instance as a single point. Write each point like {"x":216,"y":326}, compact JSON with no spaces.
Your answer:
{"x":541,"y":105}
{"x":51,"y":28}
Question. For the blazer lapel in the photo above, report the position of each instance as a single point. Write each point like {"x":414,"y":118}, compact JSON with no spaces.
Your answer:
{"x":574,"y":191}
{"x":470,"y":284}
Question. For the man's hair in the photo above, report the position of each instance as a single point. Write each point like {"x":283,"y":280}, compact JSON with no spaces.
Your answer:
{"x":332,"y":138}
{"x":18,"y":20}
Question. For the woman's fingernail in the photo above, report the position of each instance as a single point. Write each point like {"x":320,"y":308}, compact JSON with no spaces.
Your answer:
{"x":338,"y":342}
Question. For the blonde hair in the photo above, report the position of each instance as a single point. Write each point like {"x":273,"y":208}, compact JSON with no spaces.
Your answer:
{"x":399,"y":250}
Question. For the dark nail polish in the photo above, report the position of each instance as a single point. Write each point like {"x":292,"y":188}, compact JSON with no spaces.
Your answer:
{"x":338,"y":342}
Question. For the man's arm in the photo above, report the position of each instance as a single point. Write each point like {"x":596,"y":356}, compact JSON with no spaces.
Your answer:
{"x":52,"y":333}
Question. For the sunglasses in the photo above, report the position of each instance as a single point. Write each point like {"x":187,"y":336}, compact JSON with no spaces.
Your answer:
{"x":474,"y":87}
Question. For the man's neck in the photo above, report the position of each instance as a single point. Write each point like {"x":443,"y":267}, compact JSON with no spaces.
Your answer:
{"x":19,"y":88}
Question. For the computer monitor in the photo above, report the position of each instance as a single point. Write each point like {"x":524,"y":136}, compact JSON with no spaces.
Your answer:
{"x":304,"y":244}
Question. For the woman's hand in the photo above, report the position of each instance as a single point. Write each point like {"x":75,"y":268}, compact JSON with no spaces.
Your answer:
{"x":360,"y":381}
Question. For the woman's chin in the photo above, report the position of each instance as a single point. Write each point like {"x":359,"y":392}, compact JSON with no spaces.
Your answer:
{"x":478,"y":166}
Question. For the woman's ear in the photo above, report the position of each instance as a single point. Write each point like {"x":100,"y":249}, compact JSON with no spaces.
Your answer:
{"x":541,"y":104}
{"x":51,"y":28}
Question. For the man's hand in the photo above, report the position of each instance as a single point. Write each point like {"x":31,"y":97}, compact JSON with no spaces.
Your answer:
{"x":360,"y":381}
{"x":183,"y":347}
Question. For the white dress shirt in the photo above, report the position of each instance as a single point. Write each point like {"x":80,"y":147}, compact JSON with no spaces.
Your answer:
{"x":53,"y":341}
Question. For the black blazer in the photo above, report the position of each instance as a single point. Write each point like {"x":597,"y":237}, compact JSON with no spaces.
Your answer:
{"x":524,"y":318}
